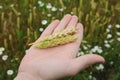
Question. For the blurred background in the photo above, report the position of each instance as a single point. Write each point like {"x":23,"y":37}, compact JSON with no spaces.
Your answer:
{"x":22,"y":22}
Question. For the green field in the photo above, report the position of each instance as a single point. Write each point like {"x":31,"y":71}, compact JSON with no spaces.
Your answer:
{"x":22,"y":22}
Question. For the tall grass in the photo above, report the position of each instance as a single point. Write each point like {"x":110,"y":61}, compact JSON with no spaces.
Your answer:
{"x":21,"y":21}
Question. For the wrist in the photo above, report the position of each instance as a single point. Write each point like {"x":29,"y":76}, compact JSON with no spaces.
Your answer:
{"x":25,"y":76}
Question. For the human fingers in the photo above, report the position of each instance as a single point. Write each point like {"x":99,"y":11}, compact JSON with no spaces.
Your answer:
{"x":49,"y":30}
{"x":73,"y":22}
{"x":63,"y":23}
{"x":83,"y":62}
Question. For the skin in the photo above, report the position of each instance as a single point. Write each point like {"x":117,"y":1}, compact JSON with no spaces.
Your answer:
{"x":56,"y":62}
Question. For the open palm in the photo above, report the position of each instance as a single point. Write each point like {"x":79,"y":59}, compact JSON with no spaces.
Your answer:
{"x":61,"y":61}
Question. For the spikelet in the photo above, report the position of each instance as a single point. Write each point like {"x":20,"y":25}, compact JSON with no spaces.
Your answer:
{"x":56,"y":39}
{"x":65,"y":32}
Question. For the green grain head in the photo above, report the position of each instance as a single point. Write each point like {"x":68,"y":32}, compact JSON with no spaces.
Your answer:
{"x":56,"y":39}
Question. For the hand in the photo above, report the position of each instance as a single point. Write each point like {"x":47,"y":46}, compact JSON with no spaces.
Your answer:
{"x":57,"y":62}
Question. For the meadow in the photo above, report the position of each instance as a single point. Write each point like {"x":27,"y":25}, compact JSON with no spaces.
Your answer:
{"x":22,"y":22}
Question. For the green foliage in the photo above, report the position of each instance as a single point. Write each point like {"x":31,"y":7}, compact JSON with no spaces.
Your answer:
{"x":22,"y":22}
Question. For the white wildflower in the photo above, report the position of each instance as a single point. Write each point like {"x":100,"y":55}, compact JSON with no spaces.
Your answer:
{"x":10,"y":72}
{"x":49,"y":15}
{"x":49,"y":6}
{"x":94,"y":78}
{"x":16,"y":59}
{"x":12,"y":5}
{"x":91,"y":72}
{"x":44,"y":22}
{"x":92,"y":50}
{"x":11,"y":60}
{"x":109,"y":26}
{"x":99,"y":50}
{"x":85,"y":47}
{"x":39,"y":2}
{"x":90,"y":77}
{"x":4,"y":57}
{"x":41,"y":29}
{"x":2,"y":49}
{"x":80,"y":53}
{"x":107,"y":45}
{"x":111,"y":40}
{"x":96,"y":49}
{"x":26,"y":51}
{"x":34,"y":7}
{"x":41,"y":5}
{"x":118,"y":39}
{"x":100,"y":67}
{"x":117,"y":25}
{"x":54,"y":9}
{"x":88,"y":45}
{"x":109,"y":36}
{"x":1,"y":52}
{"x":1,"y":7}
{"x":107,"y":30}
{"x":61,"y":9}
{"x":105,"y":41}
{"x":71,"y":12}
{"x":111,"y":62}
{"x":118,"y":33}
{"x":119,"y":55}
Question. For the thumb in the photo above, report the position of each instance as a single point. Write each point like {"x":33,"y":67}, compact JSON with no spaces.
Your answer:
{"x":83,"y":62}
